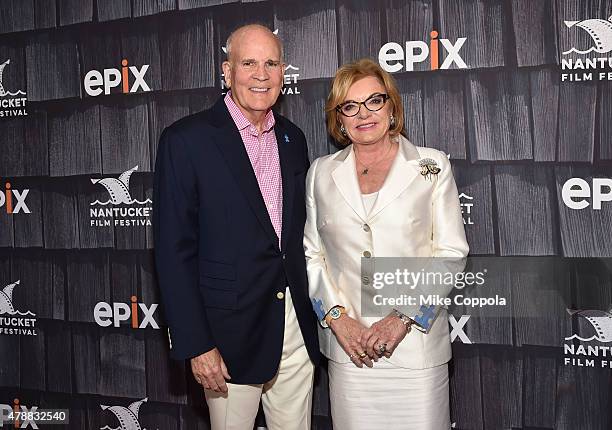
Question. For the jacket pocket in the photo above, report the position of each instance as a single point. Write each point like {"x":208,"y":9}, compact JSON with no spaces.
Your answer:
{"x":222,"y":299}
{"x":216,"y":270}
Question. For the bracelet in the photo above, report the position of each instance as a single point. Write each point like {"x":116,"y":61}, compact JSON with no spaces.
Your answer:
{"x":404,"y":319}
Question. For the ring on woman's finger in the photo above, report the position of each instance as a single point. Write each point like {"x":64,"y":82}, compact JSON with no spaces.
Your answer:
{"x":382,"y":348}
{"x":351,"y":356}
{"x":362,"y":355}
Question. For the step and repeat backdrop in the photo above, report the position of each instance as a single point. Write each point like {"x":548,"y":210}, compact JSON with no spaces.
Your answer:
{"x":519,"y":97}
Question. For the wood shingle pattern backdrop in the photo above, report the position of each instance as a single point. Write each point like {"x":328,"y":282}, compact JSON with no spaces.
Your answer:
{"x":514,"y":133}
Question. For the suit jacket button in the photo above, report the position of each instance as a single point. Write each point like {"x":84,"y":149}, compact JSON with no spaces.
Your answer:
{"x":284,"y":256}
{"x":367,"y":254}
{"x":280,"y":295}
{"x":366,"y":228}
{"x":365,"y":280}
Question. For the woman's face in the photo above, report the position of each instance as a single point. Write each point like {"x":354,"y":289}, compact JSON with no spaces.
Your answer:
{"x":366,"y":127}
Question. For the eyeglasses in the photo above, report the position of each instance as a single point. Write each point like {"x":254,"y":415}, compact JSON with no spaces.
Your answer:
{"x":373,"y":103}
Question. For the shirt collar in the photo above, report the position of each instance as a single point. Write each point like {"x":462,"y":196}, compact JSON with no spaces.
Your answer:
{"x":242,"y":122}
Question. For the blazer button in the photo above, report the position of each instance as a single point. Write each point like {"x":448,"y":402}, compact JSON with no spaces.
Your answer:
{"x":366,"y":228}
{"x":365,"y":280}
{"x":284,"y":256}
{"x":280,"y":295}
{"x":367,"y":254}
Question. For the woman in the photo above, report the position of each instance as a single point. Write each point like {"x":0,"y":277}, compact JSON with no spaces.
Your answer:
{"x":378,"y":197}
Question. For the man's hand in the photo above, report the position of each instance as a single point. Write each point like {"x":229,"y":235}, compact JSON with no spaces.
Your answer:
{"x":347,"y":330}
{"x":389,"y":331}
{"x":209,"y":370}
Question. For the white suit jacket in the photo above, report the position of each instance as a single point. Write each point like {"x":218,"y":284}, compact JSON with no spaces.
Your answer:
{"x":413,"y":216}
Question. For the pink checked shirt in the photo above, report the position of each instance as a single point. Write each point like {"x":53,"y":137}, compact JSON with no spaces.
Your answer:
{"x":262,"y":150}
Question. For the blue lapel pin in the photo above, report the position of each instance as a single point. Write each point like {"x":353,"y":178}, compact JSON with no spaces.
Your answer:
{"x":286,"y":138}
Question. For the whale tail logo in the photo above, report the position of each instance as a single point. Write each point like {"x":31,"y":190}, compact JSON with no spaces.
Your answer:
{"x":600,"y":31}
{"x":3,"y":92}
{"x":6,"y":302}
{"x":118,"y":189}
{"x":6,"y":299}
{"x":127,"y":417}
{"x":601,"y":321}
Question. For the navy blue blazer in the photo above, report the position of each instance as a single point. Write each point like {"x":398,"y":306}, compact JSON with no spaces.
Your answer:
{"x":218,"y":261}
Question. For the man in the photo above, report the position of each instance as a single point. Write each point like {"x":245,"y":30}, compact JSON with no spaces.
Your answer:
{"x":229,"y":219}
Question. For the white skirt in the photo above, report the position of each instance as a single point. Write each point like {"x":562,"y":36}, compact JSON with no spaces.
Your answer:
{"x":388,"y":397}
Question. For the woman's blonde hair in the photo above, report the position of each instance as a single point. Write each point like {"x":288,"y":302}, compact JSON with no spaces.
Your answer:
{"x":346,"y":76}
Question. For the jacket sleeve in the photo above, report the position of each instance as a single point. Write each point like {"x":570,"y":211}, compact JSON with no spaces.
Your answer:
{"x":449,"y":245}
{"x":176,"y":236}
{"x":323,"y":294}
{"x":448,"y":236}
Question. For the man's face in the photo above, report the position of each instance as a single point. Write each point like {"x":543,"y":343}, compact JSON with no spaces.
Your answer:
{"x":254,"y":72}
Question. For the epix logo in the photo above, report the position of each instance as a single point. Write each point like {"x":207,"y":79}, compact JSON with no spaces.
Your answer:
{"x":106,"y":314}
{"x":578,"y":188}
{"x":14,"y":201}
{"x":131,"y":79}
{"x":457,"y":328}
{"x":11,"y":414}
{"x":392,"y":54}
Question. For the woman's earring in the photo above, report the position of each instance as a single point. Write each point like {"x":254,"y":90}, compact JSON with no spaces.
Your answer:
{"x":392,"y":122}
{"x":343,"y":130}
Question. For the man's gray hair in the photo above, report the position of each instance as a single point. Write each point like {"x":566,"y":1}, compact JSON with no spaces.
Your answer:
{"x":228,"y":43}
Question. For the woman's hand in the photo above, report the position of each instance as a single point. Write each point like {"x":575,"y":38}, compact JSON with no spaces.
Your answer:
{"x":389,"y":331}
{"x":348,"y":330}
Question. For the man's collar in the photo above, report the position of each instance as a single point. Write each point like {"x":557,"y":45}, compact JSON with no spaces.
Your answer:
{"x":242,"y":121}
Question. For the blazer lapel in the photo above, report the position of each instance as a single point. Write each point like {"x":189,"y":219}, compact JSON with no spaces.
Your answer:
{"x":230,"y":144}
{"x":288,"y":177}
{"x":345,"y":178}
{"x":403,"y":171}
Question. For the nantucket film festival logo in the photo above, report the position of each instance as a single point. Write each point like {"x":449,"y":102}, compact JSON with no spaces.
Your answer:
{"x":131,"y":79}
{"x":120,"y":210}
{"x":12,"y":103}
{"x":290,"y":78}
{"x":594,"y":348}
{"x":14,"y":321}
{"x":467,"y":203}
{"x":126,"y":417}
{"x":394,"y":57}
{"x":593,"y":63}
